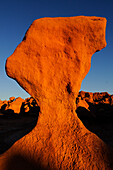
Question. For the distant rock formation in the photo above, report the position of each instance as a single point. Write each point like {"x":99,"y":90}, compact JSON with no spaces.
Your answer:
{"x":18,"y":106}
{"x":50,"y":64}
{"x":97,"y":116}
{"x":94,"y":105}
{"x":96,"y":112}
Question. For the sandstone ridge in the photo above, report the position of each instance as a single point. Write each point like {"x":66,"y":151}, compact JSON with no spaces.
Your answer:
{"x":50,"y":64}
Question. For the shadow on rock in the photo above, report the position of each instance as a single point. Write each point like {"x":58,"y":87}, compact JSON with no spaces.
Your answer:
{"x":98,"y":118}
{"x":17,"y":162}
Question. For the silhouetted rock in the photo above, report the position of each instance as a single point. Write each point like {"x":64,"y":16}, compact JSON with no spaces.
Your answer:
{"x":3,"y":105}
{"x":29,"y":106}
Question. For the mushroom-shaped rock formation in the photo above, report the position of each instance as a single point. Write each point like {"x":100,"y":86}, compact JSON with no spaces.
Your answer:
{"x":50,"y":64}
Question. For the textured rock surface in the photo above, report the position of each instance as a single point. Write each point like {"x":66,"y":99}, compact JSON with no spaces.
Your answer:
{"x":50,"y":64}
{"x":55,"y":56}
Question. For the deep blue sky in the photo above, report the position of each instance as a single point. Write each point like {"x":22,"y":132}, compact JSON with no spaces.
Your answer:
{"x":17,"y":15}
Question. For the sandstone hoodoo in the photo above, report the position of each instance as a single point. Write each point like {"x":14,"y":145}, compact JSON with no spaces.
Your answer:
{"x":50,"y":64}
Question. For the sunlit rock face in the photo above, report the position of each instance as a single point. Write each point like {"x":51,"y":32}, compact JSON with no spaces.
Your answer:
{"x":15,"y":105}
{"x":55,"y":56}
{"x":50,"y":64}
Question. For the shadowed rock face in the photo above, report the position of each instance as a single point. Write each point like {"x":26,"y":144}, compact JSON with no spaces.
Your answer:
{"x":50,"y":64}
{"x":96,"y":112}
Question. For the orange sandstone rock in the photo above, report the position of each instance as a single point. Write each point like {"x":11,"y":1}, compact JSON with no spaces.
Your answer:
{"x":100,"y":96}
{"x":12,"y":99}
{"x":55,"y":56}
{"x":15,"y":105}
{"x":50,"y":64}
{"x":82,"y":103}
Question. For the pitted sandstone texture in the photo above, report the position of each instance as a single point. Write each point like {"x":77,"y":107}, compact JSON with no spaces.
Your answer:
{"x":50,"y":64}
